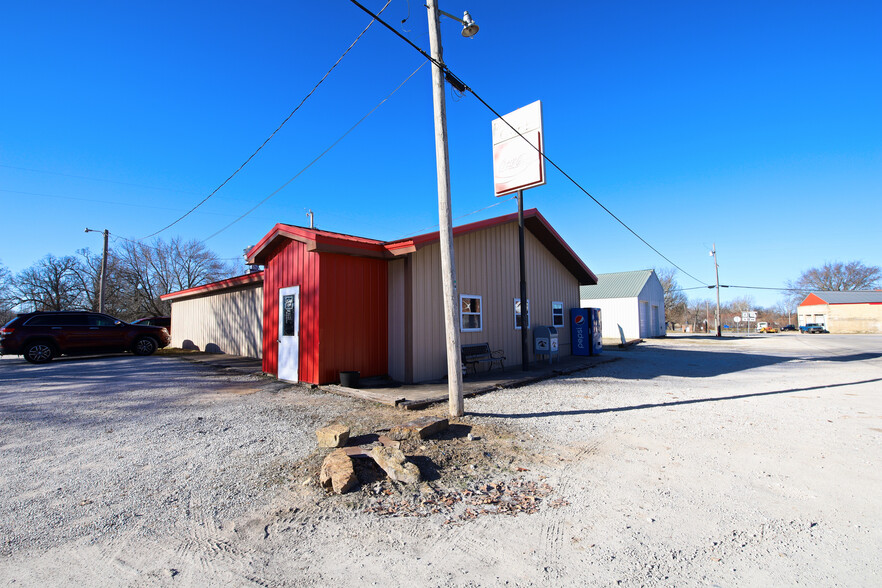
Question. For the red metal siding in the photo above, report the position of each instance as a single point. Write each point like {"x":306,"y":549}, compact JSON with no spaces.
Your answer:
{"x":292,"y":265}
{"x":354,"y":316}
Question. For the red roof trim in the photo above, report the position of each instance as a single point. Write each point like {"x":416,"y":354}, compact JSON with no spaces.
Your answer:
{"x":221,"y":285}
{"x":313,"y":238}
{"x":812,"y":300}
{"x":339,"y":243}
{"x":533,"y":220}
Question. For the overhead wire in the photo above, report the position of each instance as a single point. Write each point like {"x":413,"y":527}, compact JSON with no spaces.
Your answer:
{"x":457,"y":83}
{"x":319,"y":156}
{"x":273,"y":134}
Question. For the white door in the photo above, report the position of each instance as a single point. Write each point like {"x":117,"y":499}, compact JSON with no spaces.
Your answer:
{"x":289,"y":333}
{"x":653,"y":331}
{"x":644,"y":319}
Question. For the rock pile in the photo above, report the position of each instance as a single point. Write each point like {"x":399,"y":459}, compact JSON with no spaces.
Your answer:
{"x":338,"y":472}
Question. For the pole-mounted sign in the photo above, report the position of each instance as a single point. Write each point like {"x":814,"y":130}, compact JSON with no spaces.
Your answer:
{"x":517,"y":165}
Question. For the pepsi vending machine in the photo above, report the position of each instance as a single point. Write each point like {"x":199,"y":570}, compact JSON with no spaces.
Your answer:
{"x":585,"y":331}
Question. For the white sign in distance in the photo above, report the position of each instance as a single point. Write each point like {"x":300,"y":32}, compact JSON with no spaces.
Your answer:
{"x":518,"y":163}
{"x":749,"y":316}
{"x":737,"y":319}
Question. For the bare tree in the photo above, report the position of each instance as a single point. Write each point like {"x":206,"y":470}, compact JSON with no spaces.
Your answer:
{"x":7,"y":295}
{"x":116,"y":295}
{"x":148,"y":271}
{"x":53,"y":283}
{"x":839,"y":276}
{"x":675,"y":299}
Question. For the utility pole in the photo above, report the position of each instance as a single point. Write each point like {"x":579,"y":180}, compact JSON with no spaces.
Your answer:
{"x":103,"y":280}
{"x":448,"y":263}
{"x":525,"y":314}
{"x":717,"y":272}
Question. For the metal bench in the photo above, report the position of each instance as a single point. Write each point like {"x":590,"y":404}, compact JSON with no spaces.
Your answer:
{"x":474,"y":353}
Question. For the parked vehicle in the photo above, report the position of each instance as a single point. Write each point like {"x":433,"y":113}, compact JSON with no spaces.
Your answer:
{"x":40,"y":336}
{"x":813,"y":328}
{"x":788,"y":328}
{"x":156,"y":321}
{"x":761,"y":327}
{"x":769,"y":329}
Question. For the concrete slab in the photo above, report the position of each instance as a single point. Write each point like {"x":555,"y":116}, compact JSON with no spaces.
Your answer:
{"x":418,"y":396}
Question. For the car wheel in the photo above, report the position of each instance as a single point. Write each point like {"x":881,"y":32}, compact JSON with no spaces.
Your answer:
{"x":144,"y":346}
{"x":39,"y":352}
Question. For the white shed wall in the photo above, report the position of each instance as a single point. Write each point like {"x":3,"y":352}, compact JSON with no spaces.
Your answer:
{"x":618,"y":316}
{"x":230,"y":321}
{"x":654,"y":295}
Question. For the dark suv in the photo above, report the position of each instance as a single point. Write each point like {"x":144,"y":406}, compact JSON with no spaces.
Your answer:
{"x":40,"y":336}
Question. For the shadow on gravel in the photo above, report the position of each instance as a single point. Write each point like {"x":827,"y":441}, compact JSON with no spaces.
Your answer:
{"x":554,"y":413}
{"x":98,"y":390}
{"x":688,"y":363}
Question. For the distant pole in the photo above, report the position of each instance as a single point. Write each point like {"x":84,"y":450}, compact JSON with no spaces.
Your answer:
{"x":448,"y":263}
{"x":525,"y":314}
{"x":102,"y":289}
{"x":717,"y":272}
{"x":102,"y":281}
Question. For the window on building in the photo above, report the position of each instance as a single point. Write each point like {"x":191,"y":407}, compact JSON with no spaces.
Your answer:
{"x":557,"y":318}
{"x":517,"y":313}
{"x":470,"y":313}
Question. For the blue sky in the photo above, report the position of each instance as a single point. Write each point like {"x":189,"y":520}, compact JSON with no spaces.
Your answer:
{"x":757,"y":126}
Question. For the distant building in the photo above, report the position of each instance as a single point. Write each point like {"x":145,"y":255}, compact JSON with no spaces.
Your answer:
{"x":632,"y":304}
{"x":856,"y":311}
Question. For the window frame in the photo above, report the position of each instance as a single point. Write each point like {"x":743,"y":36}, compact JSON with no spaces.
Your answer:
{"x":514,"y":307}
{"x":554,"y":316}
{"x":479,"y":314}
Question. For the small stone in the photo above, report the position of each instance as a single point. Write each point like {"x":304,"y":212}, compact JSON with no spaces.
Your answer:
{"x":470,"y":437}
{"x":338,"y":472}
{"x":333,"y":436}
{"x":396,"y":465}
{"x":422,"y":428}
{"x":306,"y":482}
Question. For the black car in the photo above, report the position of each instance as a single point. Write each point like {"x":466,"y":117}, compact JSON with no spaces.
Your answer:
{"x":156,"y":321}
{"x":788,"y":328}
{"x":40,"y":336}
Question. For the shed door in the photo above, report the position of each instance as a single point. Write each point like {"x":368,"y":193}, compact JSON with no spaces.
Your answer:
{"x":289,"y":333}
{"x":644,"y":319}
{"x":654,"y":317}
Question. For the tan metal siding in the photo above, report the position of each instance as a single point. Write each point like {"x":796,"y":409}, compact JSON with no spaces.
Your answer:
{"x":487,"y":266}
{"x":396,"y":319}
{"x":226,"y":322}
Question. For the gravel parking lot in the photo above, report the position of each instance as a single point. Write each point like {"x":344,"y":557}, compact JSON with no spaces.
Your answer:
{"x":687,"y":461}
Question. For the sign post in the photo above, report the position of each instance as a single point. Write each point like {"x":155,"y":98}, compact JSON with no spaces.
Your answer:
{"x":518,"y":164}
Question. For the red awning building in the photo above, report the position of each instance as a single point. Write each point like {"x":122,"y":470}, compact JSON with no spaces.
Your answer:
{"x":333,"y":302}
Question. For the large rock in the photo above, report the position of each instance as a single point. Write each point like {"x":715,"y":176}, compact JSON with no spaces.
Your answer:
{"x":333,"y":436}
{"x":396,"y":465}
{"x":338,"y":472}
{"x":422,"y":427}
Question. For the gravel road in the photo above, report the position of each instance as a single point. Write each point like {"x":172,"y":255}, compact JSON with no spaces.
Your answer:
{"x":687,"y":461}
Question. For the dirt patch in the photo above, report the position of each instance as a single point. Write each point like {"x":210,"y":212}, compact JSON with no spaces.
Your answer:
{"x":468,"y":470}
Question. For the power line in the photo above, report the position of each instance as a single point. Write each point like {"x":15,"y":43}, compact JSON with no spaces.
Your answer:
{"x":433,"y":227}
{"x":461,"y":86}
{"x":43,"y":171}
{"x":320,"y":155}
{"x":132,"y":204}
{"x":262,"y":145}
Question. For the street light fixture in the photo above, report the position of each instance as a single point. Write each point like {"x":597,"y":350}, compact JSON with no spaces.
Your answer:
{"x":469,"y":28}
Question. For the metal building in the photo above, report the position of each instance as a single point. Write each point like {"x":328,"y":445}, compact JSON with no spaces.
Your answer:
{"x":856,"y":311}
{"x":632,"y":304}
{"x":334,"y":302}
{"x":222,"y":317}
